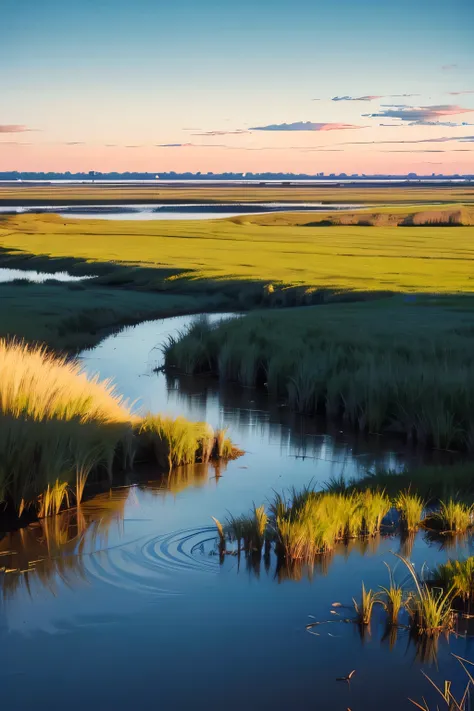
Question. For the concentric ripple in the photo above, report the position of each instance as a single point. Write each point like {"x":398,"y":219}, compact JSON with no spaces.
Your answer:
{"x":156,"y":564}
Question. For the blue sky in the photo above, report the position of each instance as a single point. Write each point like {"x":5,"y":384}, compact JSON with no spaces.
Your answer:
{"x":117,"y":82}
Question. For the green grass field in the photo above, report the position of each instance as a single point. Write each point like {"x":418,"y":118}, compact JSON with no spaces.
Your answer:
{"x":119,"y":194}
{"x":408,"y":259}
{"x":388,"y":365}
{"x":72,"y":318}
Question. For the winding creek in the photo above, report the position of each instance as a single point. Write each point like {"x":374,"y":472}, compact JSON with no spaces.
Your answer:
{"x":128,"y":605}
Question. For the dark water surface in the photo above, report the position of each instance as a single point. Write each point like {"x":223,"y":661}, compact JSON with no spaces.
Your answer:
{"x":126,"y":603}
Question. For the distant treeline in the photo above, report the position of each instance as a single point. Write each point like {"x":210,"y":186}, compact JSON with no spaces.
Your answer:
{"x":97,"y":175}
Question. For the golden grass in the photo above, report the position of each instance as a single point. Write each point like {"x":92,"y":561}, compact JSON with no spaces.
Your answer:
{"x":365,"y":606}
{"x":57,"y":425}
{"x":69,"y":194}
{"x":456,"y":575}
{"x":453,"y":517}
{"x":430,"y":608}
{"x":415,"y":259}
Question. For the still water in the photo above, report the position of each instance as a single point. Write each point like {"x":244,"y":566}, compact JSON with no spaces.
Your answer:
{"x":7,"y":275}
{"x":178,"y":211}
{"x":126,"y":603}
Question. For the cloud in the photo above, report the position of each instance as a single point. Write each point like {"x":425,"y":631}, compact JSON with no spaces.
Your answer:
{"x":191,"y":145}
{"x":449,"y":124}
{"x":440,"y":139}
{"x":238,"y":132}
{"x":74,"y":143}
{"x":305,"y":126}
{"x":421,"y":150}
{"x":459,"y":93}
{"x":402,"y":96}
{"x":14,"y":128}
{"x":449,"y":67}
{"x":419,"y":115}
{"x":356,"y":98}
{"x":14,"y":143}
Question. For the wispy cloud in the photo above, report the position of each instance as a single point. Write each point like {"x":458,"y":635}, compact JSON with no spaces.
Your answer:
{"x":356,"y":98}
{"x":460,"y":93}
{"x":449,"y":67}
{"x":305,"y":126}
{"x":238,"y":132}
{"x":440,"y":139}
{"x":74,"y":143}
{"x":402,"y":96}
{"x":421,"y":150}
{"x":419,"y":115}
{"x":190,"y":145}
{"x":14,"y":128}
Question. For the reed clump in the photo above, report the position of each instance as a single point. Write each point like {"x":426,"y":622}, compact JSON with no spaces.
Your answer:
{"x":365,"y":606}
{"x":410,"y":507}
{"x":456,"y":575}
{"x":249,"y":531}
{"x":430,"y":608}
{"x":309,"y":523}
{"x":394,"y":599}
{"x":58,"y":425}
{"x":452,"y":517}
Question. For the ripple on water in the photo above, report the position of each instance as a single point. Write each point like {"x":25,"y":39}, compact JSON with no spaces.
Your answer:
{"x":149,"y":564}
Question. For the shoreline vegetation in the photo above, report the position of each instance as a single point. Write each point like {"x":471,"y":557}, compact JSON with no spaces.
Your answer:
{"x":58,"y":427}
{"x":57,"y":194}
{"x":306,"y":526}
{"x":369,"y":323}
{"x":380,"y":366}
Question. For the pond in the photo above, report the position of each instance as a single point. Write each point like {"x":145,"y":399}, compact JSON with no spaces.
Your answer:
{"x":30,"y":275}
{"x":127,"y":604}
{"x":176,"y":212}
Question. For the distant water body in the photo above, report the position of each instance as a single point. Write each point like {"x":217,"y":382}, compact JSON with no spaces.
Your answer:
{"x":177,"y":211}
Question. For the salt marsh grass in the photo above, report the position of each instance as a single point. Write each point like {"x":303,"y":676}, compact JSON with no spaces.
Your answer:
{"x":58,"y":425}
{"x":382,"y":366}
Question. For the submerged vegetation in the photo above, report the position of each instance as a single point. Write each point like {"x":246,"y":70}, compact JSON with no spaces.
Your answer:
{"x":57,"y":426}
{"x":308,"y":523}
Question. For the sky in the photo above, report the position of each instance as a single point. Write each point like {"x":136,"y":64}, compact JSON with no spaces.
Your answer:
{"x":355,"y":86}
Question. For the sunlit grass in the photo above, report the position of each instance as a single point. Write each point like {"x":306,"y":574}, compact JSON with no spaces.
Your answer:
{"x":58,"y":425}
{"x":365,"y":606}
{"x":451,"y":517}
{"x":393,"y":601}
{"x":411,"y":507}
{"x":456,"y":575}
{"x":430,"y":608}
{"x":416,"y":259}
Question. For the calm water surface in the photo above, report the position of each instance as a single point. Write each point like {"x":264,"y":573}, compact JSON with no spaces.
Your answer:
{"x":7,"y":275}
{"x":126,"y":604}
{"x":177,"y":212}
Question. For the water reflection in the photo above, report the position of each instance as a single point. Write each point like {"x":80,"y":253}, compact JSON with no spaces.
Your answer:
{"x":53,"y":549}
{"x":31,"y":275}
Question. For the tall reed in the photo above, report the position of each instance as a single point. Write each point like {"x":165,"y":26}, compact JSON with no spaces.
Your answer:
{"x":452,"y":517}
{"x":430,"y":608}
{"x":411,"y":507}
{"x":365,"y":606}
{"x":393,"y":602}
